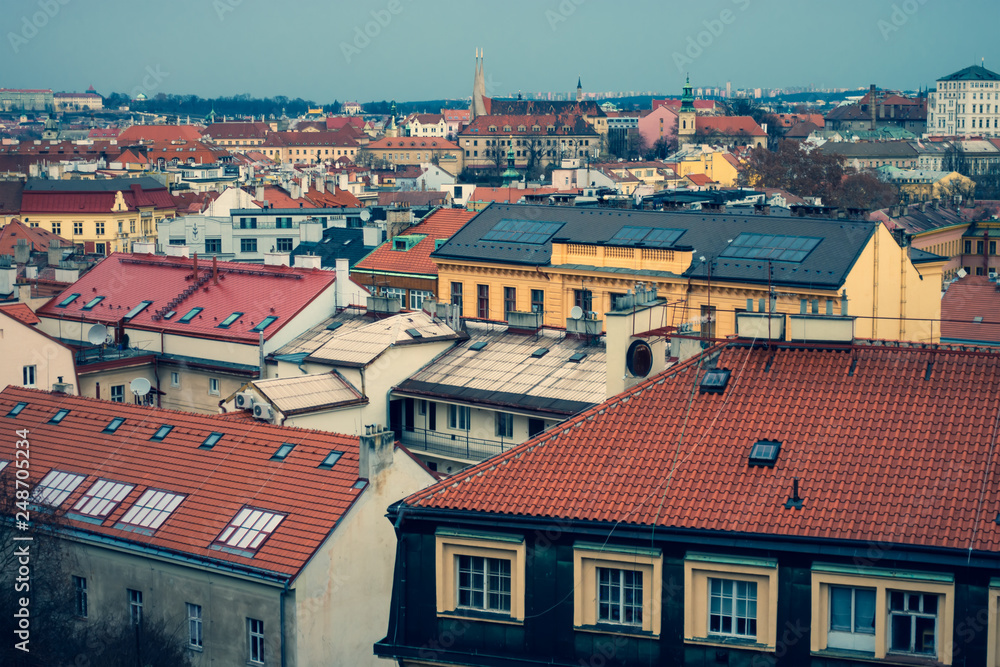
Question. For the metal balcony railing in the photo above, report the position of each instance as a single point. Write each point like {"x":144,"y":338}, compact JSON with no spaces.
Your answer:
{"x":459,"y":445}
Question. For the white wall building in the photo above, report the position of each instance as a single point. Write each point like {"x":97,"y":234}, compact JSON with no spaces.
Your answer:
{"x":966,"y":103}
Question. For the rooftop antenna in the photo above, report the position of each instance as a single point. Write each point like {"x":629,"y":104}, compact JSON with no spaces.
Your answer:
{"x":140,"y":386}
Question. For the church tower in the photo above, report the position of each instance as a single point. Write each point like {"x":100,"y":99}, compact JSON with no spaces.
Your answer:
{"x":686,"y":119}
{"x":579,"y":89}
{"x":478,"y":106}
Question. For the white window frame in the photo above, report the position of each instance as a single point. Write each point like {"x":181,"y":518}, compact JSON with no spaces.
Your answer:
{"x":588,"y":561}
{"x":29,"y":376}
{"x":852,"y":638}
{"x":213,"y":386}
{"x":80,"y":602}
{"x":734,"y":592}
{"x":196,"y":628}
{"x":175,"y":379}
{"x":450,"y":546}
{"x":484,"y":577}
{"x":459,"y":417}
{"x":504,"y":423}
{"x":118,"y":393}
{"x":135,"y":606}
{"x":613,"y":603}
{"x":700,"y":569}
{"x":255,"y":641}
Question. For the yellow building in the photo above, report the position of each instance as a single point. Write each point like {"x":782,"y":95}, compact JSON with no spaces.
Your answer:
{"x":919,"y":185}
{"x":721,"y":166}
{"x":417,"y":151}
{"x":104,"y":216}
{"x":709,"y":267}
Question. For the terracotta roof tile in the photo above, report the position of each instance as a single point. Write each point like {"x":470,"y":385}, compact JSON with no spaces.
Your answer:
{"x":20,"y":312}
{"x":159,"y":133}
{"x":37,"y":237}
{"x":439,"y":225}
{"x":966,"y":300}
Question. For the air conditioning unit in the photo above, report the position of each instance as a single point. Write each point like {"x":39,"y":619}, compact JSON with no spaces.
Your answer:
{"x":993,"y":276}
{"x":263,"y":412}
{"x":685,"y":328}
{"x":244,"y":400}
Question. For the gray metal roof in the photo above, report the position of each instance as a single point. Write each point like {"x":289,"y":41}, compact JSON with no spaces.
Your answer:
{"x":98,"y":185}
{"x":504,"y":374}
{"x":308,"y":393}
{"x":707,"y":233}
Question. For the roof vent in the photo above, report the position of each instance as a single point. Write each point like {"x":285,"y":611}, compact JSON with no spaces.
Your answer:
{"x":795,"y":501}
{"x":578,"y":357}
{"x":540,"y":352}
{"x":715,"y":381}
{"x":764,"y":453}
{"x":478,"y":345}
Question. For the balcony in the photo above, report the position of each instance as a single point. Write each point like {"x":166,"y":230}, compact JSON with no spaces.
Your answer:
{"x":453,"y":445}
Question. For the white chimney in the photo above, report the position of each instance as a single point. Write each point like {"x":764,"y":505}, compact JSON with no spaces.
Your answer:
{"x":8,"y":279}
{"x":342,"y":181}
{"x":277,"y":259}
{"x":259,"y":194}
{"x":343,"y":284}
{"x":143,"y":248}
{"x":177,"y":251}
{"x":305,"y":183}
{"x":372,"y":236}
{"x":375,"y":451}
{"x":308,"y":262}
{"x":321,"y":184}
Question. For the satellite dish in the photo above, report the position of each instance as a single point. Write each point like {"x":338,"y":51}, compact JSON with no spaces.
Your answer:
{"x":365,"y":215}
{"x":576,"y":312}
{"x":639,"y":359}
{"x":961,"y":273}
{"x":140,"y":386}
{"x":97,"y":334}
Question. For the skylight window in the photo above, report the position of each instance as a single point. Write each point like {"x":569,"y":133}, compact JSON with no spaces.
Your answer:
{"x":414,"y":333}
{"x":143,"y":305}
{"x":478,"y":345}
{"x":152,"y":509}
{"x":531,"y":232}
{"x":210,"y":441}
{"x":330,"y":460}
{"x":169,"y":314}
{"x":249,"y":528}
{"x":59,"y":416}
{"x":648,"y":236}
{"x":16,"y":410}
{"x":113,"y":425}
{"x":764,"y":453}
{"x":265,"y":323}
{"x":333,"y":326}
{"x":56,"y":487}
{"x":578,"y":357}
{"x":772,"y":247}
{"x":93,"y":302}
{"x":162,"y":432}
{"x":226,"y":323}
{"x":540,"y":352}
{"x":190,"y":315}
{"x":283,"y":452}
{"x":68,"y":300}
{"x":102,"y":498}
{"x":715,"y":381}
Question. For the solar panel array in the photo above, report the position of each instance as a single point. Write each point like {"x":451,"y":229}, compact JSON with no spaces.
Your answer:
{"x":770,"y":246}
{"x":653,"y":237}
{"x":534,"y":232}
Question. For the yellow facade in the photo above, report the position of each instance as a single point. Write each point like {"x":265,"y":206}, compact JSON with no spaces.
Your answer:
{"x":714,"y":165}
{"x":103,"y":233}
{"x":882,"y":287}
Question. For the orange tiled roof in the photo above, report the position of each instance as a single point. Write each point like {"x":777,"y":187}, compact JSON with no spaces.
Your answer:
{"x":890,"y":444}
{"x":216,"y":483}
{"x":507,"y":195}
{"x":439,"y":225}
{"x":20,"y":312}
{"x":429,"y":143}
{"x":966,"y":299}
{"x":159,"y":133}
{"x":729,"y":125}
{"x":37,"y":237}
{"x":699,"y":179}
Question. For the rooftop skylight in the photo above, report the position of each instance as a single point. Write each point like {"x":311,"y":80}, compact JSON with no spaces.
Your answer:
{"x":162,"y":432}
{"x":113,"y":425}
{"x":102,"y":498}
{"x":283,"y":451}
{"x":649,"y":236}
{"x":540,"y":352}
{"x":59,"y":416}
{"x":93,"y":302}
{"x":770,"y":247}
{"x":249,"y":528}
{"x":68,"y":300}
{"x":532,"y":232}
{"x":330,"y":460}
{"x":226,"y":323}
{"x":578,"y":357}
{"x":764,"y":453}
{"x":478,"y":345}
{"x":3,"y":464}
{"x":715,"y":381}
{"x":56,"y":487}
{"x":190,"y":315}
{"x":210,"y":441}
{"x":152,"y":509}
{"x":16,"y":410}
{"x":143,"y":305}
{"x":333,"y":326}
{"x":414,"y":333}
{"x":264,"y":323}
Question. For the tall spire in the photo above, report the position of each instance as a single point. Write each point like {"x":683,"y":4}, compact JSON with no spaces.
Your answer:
{"x":687,"y":99}
{"x":579,"y":89}
{"x":478,"y":105}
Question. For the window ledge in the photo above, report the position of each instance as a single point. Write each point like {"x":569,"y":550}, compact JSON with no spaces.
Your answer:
{"x":729,"y":642}
{"x":613,"y":629}
{"x":889,"y":659}
{"x":468,"y":614}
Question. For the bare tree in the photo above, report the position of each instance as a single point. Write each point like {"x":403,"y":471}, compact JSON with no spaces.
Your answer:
{"x":497,"y":155}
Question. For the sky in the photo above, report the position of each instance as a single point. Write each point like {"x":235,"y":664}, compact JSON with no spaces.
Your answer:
{"x":327,"y":50}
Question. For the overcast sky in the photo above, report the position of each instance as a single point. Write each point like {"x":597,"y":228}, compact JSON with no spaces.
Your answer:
{"x":328,"y":50}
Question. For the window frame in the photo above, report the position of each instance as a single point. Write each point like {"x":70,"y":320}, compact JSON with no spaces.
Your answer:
{"x":504,"y":425}
{"x":196,"y":627}
{"x":80,"y":601}
{"x":589,"y":559}
{"x":457,"y":415}
{"x":825,"y":575}
{"x":29,"y":372}
{"x":255,"y":641}
{"x":699,"y":569}
{"x":135,"y":604}
{"x":450,"y":545}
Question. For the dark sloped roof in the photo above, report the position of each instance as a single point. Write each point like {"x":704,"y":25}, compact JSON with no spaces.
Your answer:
{"x":337,"y":243}
{"x":825,"y":267}
{"x":101,"y":185}
{"x":873,"y":149}
{"x":972,"y":73}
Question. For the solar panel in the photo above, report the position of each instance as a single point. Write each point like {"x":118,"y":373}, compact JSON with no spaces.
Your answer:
{"x":649,"y":236}
{"x":771,"y":247}
{"x":532,"y":232}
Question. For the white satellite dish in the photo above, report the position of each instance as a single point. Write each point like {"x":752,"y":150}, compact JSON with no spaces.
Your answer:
{"x":576,"y":312}
{"x":140,"y":386}
{"x":365,"y":215}
{"x":961,"y":273}
{"x":97,"y":334}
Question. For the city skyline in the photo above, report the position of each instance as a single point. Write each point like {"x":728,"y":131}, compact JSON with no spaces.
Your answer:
{"x":392,"y":49}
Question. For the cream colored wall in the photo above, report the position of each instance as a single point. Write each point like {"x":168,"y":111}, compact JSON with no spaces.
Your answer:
{"x":63,"y":225}
{"x":110,"y":378}
{"x":21,"y":345}
{"x":343,"y":595}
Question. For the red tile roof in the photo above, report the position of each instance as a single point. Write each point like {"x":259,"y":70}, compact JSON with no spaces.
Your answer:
{"x":323,"y":138}
{"x":340,"y":122}
{"x":439,"y":225}
{"x":256,"y":291}
{"x":68,"y":201}
{"x":184,"y":151}
{"x":565,"y":124}
{"x":217,"y":483}
{"x":729,"y":125}
{"x":699,"y":179}
{"x":20,"y":312}
{"x":336,"y":199}
{"x":37,"y":237}
{"x":217,"y":131}
{"x":280,"y":198}
{"x":159,"y":133}
{"x":506,"y":195}
{"x":890,"y":444}
{"x":676,"y":104}
{"x":966,"y":299}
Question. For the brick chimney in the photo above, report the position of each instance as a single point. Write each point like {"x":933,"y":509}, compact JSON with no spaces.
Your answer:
{"x":375,"y":451}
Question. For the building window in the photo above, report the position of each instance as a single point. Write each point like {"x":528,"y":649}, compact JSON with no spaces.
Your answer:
{"x":283,"y":223}
{"x":456,"y":297}
{"x":968,"y":247}
{"x":213,"y":386}
{"x":80,"y":599}
{"x":913,"y":623}
{"x":28,"y":376}
{"x":284,"y":245}
{"x":732,"y":600}
{"x":57,"y":228}
{"x":77,"y":228}
{"x":100,"y":228}
{"x":483,"y":301}
{"x":484,"y":583}
{"x":175,"y":379}
{"x":505,"y":425}
{"x":537,"y":301}
{"x":255,"y":640}
{"x":213,"y":245}
{"x":616,"y":589}
{"x":481,"y":576}
{"x":417,"y":298}
{"x":135,"y":606}
{"x":458,"y":417}
{"x":619,"y":596}
{"x":248,"y":245}
{"x":732,"y":608}
{"x":248,"y":223}
{"x":584,"y":299}
{"x":509,"y":299}
{"x":118,"y":393}
{"x":852,"y":618}
{"x":195,"y":637}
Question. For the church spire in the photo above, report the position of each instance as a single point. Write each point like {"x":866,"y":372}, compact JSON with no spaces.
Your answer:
{"x":478,"y":105}
{"x":579,"y":89}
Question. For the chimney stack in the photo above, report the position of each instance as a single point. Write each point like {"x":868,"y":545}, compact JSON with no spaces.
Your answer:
{"x":215,"y":269}
{"x":375,"y":451}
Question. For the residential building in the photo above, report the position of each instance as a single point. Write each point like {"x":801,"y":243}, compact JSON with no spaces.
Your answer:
{"x":36,"y":239}
{"x":31,"y":358}
{"x":75,"y":102}
{"x":196,"y":334}
{"x":455,"y":120}
{"x":965,"y":103}
{"x":237,"y":136}
{"x":397,"y":151}
{"x":873,"y":154}
{"x":255,"y":544}
{"x":425,"y":125}
{"x":585,"y":257}
{"x":660,"y":124}
{"x":918,"y":185}
{"x":543,"y":139}
{"x":309,"y":147}
{"x":970,"y":311}
{"x":105,"y":216}
{"x":752,"y":505}
{"x":431,"y":178}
